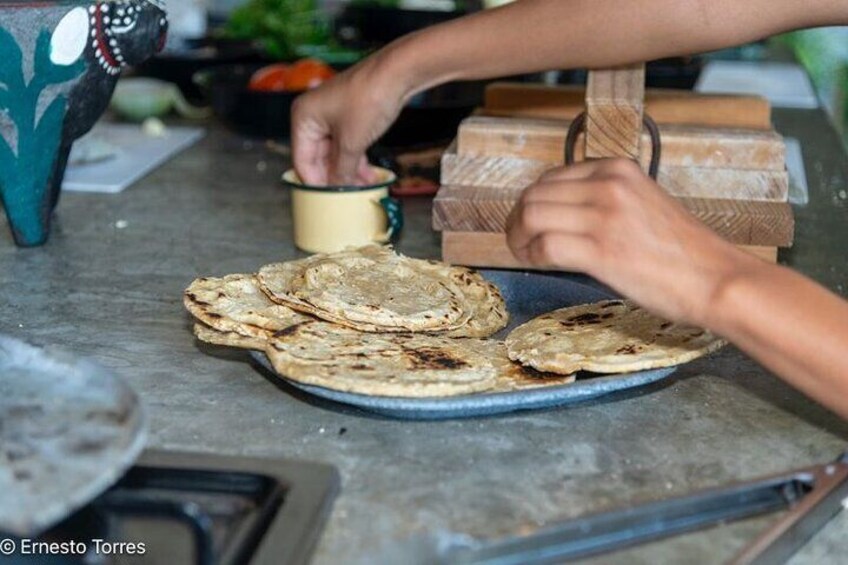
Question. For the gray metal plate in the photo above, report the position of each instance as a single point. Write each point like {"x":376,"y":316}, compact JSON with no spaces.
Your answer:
{"x":68,"y":430}
{"x":527,"y":295}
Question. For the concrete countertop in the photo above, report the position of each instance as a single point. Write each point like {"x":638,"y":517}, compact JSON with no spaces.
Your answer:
{"x":115,"y":295}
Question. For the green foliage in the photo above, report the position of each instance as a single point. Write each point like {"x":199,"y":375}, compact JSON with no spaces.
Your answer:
{"x":824,"y":53}
{"x":281,"y":26}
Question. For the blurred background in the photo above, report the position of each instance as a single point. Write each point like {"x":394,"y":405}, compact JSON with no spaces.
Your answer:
{"x":210,"y":33}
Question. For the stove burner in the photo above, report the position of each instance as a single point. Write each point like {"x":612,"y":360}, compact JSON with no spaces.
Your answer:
{"x":207,"y":509}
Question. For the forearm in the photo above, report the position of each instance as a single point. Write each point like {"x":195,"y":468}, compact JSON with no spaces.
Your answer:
{"x":791,"y":325}
{"x":539,"y":35}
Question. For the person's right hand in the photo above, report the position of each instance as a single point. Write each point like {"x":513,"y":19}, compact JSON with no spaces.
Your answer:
{"x":333,"y":125}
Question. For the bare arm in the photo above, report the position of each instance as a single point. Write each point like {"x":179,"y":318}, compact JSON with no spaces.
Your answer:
{"x":608,"y":219}
{"x":333,"y":126}
{"x":791,"y":325}
{"x":539,"y":35}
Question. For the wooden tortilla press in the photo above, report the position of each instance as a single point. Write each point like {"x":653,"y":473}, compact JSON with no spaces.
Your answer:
{"x":720,"y":157}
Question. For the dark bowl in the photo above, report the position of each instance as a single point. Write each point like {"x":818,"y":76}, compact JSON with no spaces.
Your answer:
{"x":251,"y":113}
{"x":428,"y":118}
{"x":433,"y":116}
{"x":180,"y":66}
{"x":369,"y":25}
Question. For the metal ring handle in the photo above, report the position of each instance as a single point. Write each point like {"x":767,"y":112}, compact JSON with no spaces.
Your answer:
{"x":579,"y":124}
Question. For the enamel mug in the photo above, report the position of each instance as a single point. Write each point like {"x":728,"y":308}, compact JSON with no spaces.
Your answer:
{"x":331,"y":218}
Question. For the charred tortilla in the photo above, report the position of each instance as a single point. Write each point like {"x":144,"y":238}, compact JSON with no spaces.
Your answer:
{"x":490,"y":314}
{"x":235,"y":303}
{"x":512,"y":376}
{"x":613,"y":336}
{"x":391,"y":364}
{"x":230,"y":339}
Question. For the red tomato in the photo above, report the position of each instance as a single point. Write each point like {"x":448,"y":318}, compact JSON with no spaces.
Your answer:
{"x":273,"y":78}
{"x":309,"y":73}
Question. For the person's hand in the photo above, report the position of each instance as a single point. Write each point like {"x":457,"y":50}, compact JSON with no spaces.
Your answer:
{"x":608,"y":219}
{"x":333,"y":125}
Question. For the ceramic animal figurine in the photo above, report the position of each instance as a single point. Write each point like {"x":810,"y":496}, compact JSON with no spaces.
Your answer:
{"x":61,"y":61}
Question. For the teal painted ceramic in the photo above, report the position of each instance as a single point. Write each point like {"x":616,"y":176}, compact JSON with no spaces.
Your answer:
{"x":60,"y":63}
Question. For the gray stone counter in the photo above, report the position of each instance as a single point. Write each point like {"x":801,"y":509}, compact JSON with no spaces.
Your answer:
{"x":115,"y":295}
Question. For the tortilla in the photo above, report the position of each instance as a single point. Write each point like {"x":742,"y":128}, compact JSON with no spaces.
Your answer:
{"x":391,"y":364}
{"x":373,"y":289}
{"x":230,"y":339}
{"x":613,"y":336}
{"x":512,"y":376}
{"x":235,"y":303}
{"x":374,"y":286}
{"x":490,"y":313}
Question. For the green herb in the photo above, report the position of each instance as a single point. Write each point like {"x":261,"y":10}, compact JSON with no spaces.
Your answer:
{"x":280,"y":26}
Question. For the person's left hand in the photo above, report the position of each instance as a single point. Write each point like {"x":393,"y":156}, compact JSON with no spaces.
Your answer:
{"x":606,"y":218}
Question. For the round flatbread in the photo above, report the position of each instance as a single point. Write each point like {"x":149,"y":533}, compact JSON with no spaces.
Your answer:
{"x":512,"y":376}
{"x":613,"y":336}
{"x":235,"y":303}
{"x":230,"y":339}
{"x":391,"y":364}
{"x":381,"y":291}
{"x":371,"y":286}
{"x":490,"y":313}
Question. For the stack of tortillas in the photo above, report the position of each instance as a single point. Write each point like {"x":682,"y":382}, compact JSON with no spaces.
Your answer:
{"x":370,"y":321}
{"x":367,"y":321}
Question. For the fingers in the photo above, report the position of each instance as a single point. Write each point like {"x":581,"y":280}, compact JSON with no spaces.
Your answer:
{"x":561,"y":251}
{"x":346,"y":164}
{"x":528,"y":221}
{"x":365,"y":172}
{"x":310,"y":146}
{"x":576,"y":193}
{"x":570,"y":206}
{"x":577,"y":171}
{"x":308,"y":163}
{"x":595,"y":168}
{"x":580,"y":183}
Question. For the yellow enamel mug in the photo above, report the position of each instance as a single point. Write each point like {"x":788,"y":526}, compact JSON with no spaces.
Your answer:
{"x":330,"y":218}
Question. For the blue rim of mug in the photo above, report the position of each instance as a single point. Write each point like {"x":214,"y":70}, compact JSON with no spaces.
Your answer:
{"x":390,"y":177}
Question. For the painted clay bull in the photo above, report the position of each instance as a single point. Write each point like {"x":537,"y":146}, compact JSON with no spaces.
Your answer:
{"x":61,"y":61}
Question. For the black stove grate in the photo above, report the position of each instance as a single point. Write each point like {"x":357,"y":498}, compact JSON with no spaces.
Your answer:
{"x":209,"y":510}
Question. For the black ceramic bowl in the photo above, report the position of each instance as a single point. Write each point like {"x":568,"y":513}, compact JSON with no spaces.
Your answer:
{"x":251,"y":113}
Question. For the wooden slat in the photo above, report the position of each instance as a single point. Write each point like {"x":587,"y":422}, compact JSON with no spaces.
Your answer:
{"x":684,"y":146}
{"x":478,"y":249}
{"x":697,"y":182}
{"x":485,"y":209}
{"x":525,"y":100}
{"x":614,"y":105}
